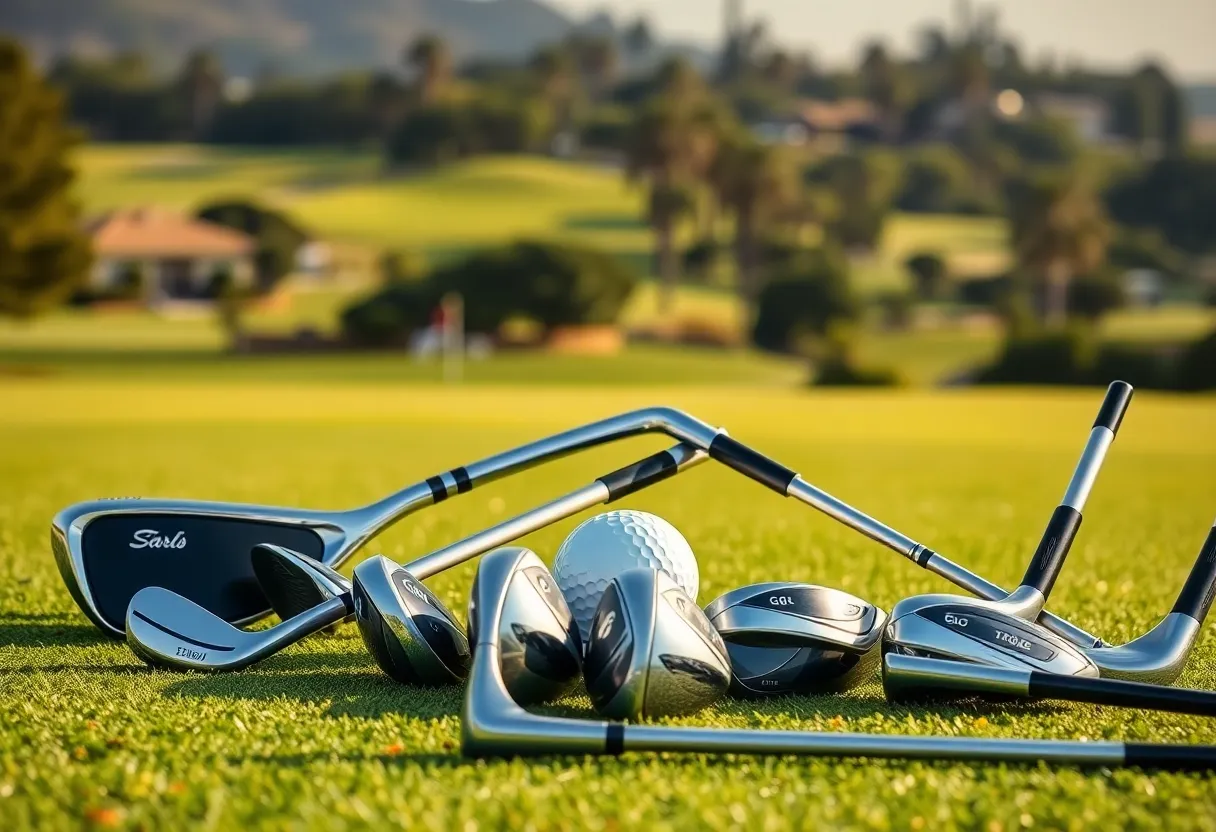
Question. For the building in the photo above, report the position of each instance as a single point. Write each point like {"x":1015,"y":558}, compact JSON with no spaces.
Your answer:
{"x":161,"y":256}
{"x":1088,"y":114}
{"x":829,"y":126}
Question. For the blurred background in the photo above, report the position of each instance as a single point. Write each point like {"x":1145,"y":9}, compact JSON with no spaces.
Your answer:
{"x":778,"y":193}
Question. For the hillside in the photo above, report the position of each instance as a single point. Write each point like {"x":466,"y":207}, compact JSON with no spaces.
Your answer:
{"x":293,"y":36}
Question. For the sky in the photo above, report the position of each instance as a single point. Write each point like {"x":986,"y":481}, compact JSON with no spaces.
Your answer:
{"x":1102,"y":33}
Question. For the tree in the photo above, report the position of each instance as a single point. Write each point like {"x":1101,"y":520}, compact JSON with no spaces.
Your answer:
{"x":1150,"y":111}
{"x":430,"y":58}
{"x":44,"y":255}
{"x":887,"y":87}
{"x":200,"y":85}
{"x":754,"y":182}
{"x":671,"y":144}
{"x":554,"y":70}
{"x":929,"y":273}
{"x":1175,"y":196}
{"x":865,"y":187}
{"x":639,"y":40}
{"x":1058,"y":230}
{"x":598,"y":63}
{"x":278,"y":237}
{"x":803,"y":307}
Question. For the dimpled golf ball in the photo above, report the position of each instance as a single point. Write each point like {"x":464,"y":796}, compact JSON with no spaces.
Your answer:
{"x":607,"y":545}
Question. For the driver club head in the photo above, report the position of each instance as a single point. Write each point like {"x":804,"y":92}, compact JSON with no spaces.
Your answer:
{"x":537,"y":638}
{"x":651,"y":652}
{"x":796,"y":638}
{"x":411,"y":634}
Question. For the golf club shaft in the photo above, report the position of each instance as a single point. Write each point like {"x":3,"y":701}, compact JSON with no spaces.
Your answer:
{"x":784,"y":481}
{"x":606,"y":489}
{"x":718,"y":741}
{"x":934,"y":676}
{"x":1200,"y":588}
{"x":1066,"y":520}
{"x":674,"y":423}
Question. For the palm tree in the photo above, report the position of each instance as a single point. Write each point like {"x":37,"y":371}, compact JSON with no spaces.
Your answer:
{"x":755,"y":182}
{"x":1058,"y":231}
{"x":201,"y":84}
{"x":430,"y":58}
{"x":671,"y":145}
{"x":886,"y":87}
{"x":598,"y":62}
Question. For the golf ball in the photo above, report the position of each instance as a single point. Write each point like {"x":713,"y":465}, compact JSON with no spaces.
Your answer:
{"x":607,"y":545}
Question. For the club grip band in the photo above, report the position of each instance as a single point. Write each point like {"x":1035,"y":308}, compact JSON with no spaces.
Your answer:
{"x":1170,"y":757}
{"x":751,"y":463}
{"x":1053,"y":548}
{"x":1200,"y":588}
{"x":1122,"y":694}
{"x":624,"y":481}
{"x":1114,"y":406}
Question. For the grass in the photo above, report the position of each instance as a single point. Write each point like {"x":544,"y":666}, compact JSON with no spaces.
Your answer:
{"x":318,"y":738}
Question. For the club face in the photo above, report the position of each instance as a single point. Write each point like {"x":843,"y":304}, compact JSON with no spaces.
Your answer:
{"x":538,"y":643}
{"x":651,"y":650}
{"x":409,"y":632}
{"x":108,"y":550}
{"x":785,"y":637}
{"x":168,"y":630}
{"x":949,"y":627}
{"x":292,"y":582}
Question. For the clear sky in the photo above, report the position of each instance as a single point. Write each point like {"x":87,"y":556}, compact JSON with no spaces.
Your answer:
{"x":1180,"y":33}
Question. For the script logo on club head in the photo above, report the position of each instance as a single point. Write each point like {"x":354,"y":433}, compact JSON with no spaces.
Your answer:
{"x":153,"y":539}
{"x":606,"y":625}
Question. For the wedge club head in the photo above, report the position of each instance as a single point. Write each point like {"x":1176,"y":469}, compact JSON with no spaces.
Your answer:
{"x":797,"y":638}
{"x":294,"y":583}
{"x":535,"y":634}
{"x":651,"y":651}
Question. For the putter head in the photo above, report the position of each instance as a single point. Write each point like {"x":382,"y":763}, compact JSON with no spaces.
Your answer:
{"x":971,"y":630}
{"x":410,"y":633}
{"x":292,"y":582}
{"x":536,"y":637}
{"x":784,"y":637}
{"x":652,"y":652}
{"x":167,"y":630}
{"x":108,"y":550}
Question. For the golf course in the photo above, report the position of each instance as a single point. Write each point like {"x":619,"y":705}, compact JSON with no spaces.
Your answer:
{"x":318,"y":737}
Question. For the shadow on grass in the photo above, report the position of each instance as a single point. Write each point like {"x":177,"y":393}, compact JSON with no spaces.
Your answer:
{"x":46,"y":629}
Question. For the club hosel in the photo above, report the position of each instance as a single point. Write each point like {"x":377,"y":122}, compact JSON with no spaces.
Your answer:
{"x":1199,"y":591}
{"x":1052,"y":550}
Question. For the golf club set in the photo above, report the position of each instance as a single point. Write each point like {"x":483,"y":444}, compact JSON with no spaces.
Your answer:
{"x":179,"y":578}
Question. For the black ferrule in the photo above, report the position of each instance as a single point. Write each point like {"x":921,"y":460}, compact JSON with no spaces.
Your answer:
{"x":1053,"y":548}
{"x":1170,"y":757}
{"x":1118,"y":397}
{"x":751,"y":463}
{"x":625,"y":481}
{"x":1197,"y":593}
{"x":463,"y":483}
{"x":926,"y":554}
{"x":1122,"y":694}
{"x":614,"y":741}
{"x":439,"y":491}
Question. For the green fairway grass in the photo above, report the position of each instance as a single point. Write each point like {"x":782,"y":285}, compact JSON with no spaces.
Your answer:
{"x":318,"y":738}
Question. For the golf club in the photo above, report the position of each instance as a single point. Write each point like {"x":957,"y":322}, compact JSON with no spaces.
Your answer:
{"x":1002,"y":632}
{"x":917,"y":677}
{"x":786,"y":637}
{"x":169,"y":629}
{"x":103,"y":575}
{"x":651,"y":652}
{"x":107,"y":550}
{"x":494,"y":724}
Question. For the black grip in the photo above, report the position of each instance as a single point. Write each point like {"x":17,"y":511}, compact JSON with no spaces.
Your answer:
{"x":1197,"y":593}
{"x":1118,"y":397}
{"x":614,"y":739}
{"x":625,"y":481}
{"x":751,"y":463}
{"x":1053,"y":548}
{"x":1170,"y":757}
{"x":1122,"y":694}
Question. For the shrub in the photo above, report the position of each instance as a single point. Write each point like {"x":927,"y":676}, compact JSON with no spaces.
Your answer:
{"x":1091,"y":297}
{"x":277,"y":236}
{"x":842,"y":372}
{"x":389,"y":316}
{"x":806,"y":299}
{"x":398,"y":266}
{"x":1141,"y":366}
{"x":1045,"y":358}
{"x":1196,"y":368}
{"x":896,"y":309}
{"x":928,"y":270}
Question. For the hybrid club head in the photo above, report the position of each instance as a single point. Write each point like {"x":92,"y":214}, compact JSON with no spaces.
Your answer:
{"x":411,"y":634}
{"x":535,"y":636}
{"x":651,"y":651}
{"x":796,"y":638}
{"x":294,"y":583}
